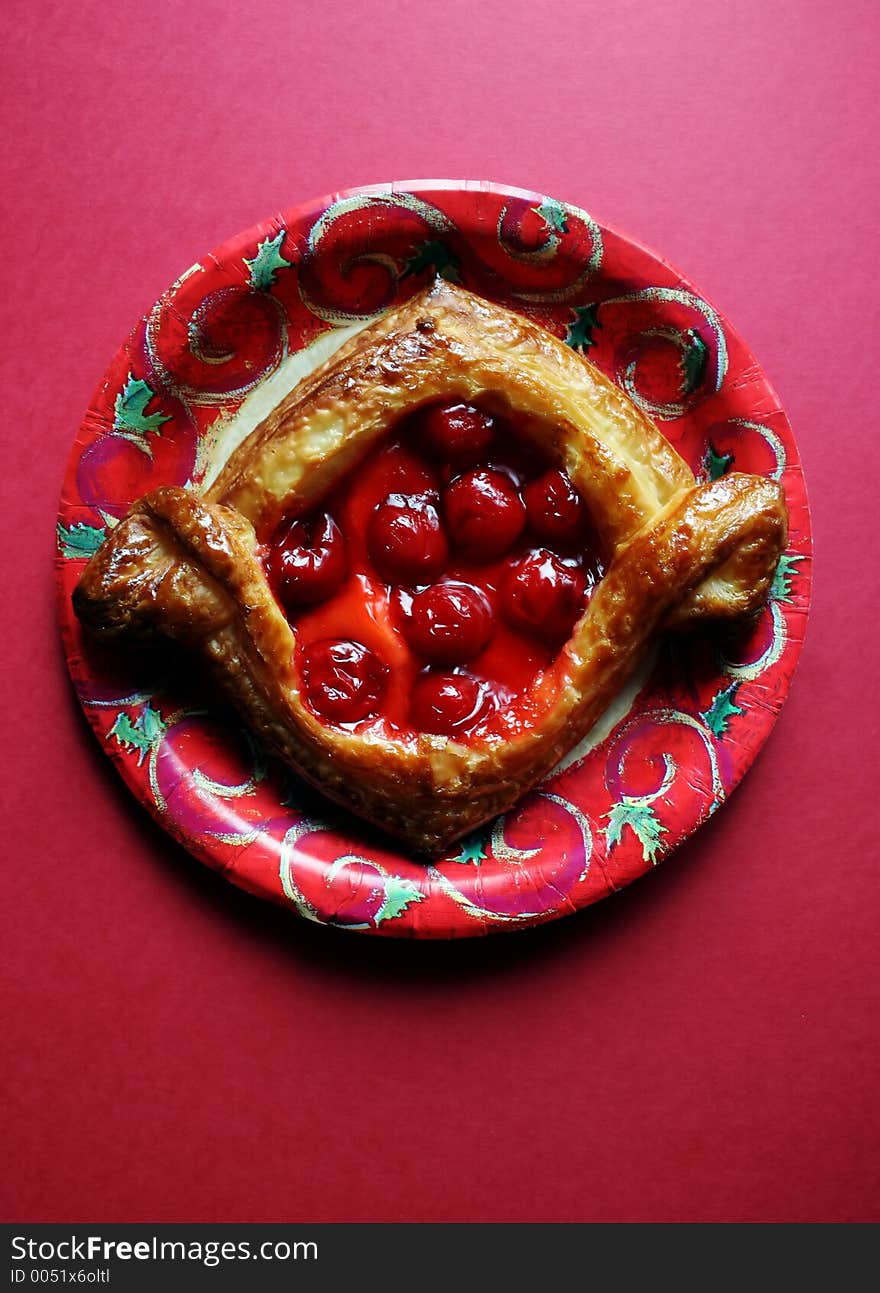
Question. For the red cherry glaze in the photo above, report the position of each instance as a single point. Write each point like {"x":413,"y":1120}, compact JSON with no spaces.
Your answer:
{"x":557,"y":514}
{"x":543,"y":596}
{"x":307,"y":561}
{"x":484,"y":513}
{"x":344,"y":681}
{"x":458,"y":434}
{"x":448,"y":617}
{"x":449,"y":623}
{"x":446,"y":703}
{"x":405,"y":540}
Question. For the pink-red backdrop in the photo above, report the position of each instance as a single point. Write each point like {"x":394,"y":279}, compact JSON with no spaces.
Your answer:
{"x":702,"y":1047}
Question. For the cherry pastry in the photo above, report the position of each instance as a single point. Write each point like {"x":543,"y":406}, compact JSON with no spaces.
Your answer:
{"x":341,"y":688}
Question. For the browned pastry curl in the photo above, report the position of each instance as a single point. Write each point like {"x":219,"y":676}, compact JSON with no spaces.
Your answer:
{"x":188,"y":568}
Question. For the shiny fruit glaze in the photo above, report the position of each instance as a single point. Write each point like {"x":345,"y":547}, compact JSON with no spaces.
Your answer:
{"x":484,"y":513}
{"x":449,"y":623}
{"x":446,"y":703}
{"x":454,"y":601}
{"x":406,"y":541}
{"x":344,"y":680}
{"x":557,"y":515}
{"x":456,"y":434}
{"x":543,"y":595}
{"x":307,"y":563}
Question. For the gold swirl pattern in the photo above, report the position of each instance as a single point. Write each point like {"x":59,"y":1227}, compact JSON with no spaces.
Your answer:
{"x":292,"y":837}
{"x":502,"y":851}
{"x":772,"y":441}
{"x":667,"y":717}
{"x":118,"y":702}
{"x":208,"y":786}
{"x":387,"y":894}
{"x":527,"y":255}
{"x":237,"y":790}
{"x":204,"y":393}
{"x":748,"y":671}
{"x":627,"y":372}
{"x":548,"y":250}
{"x":437,"y":222}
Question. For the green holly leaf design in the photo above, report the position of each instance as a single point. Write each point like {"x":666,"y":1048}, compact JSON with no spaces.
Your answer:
{"x":580,"y":333}
{"x":435,"y":256}
{"x":780,"y":589}
{"x":716,"y":464}
{"x":150,"y":721}
{"x":639,"y":817}
{"x":79,"y":541}
{"x":722,"y":709}
{"x":399,"y":894}
{"x":473,"y":850}
{"x":553,"y":215}
{"x":141,"y":735}
{"x":130,"y":416}
{"x":693,"y":363}
{"x":267,"y":262}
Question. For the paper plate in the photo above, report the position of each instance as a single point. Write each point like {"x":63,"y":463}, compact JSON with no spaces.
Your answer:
{"x":274,"y":300}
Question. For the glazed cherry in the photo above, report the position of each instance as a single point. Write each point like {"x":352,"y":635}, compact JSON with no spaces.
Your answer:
{"x":449,"y":623}
{"x":557,"y":513}
{"x":542,"y":596}
{"x":405,"y":540}
{"x":344,"y":681}
{"x":445,"y":703}
{"x":307,"y":561}
{"x":458,"y":434}
{"x":484,"y":513}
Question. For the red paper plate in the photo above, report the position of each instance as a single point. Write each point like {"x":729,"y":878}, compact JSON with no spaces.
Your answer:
{"x":671,"y":749}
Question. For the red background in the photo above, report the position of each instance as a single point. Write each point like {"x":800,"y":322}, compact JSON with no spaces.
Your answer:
{"x":702,"y":1047}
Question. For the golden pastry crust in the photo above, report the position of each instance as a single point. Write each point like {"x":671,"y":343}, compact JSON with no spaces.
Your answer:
{"x":188,"y":568}
{"x":446,"y":343}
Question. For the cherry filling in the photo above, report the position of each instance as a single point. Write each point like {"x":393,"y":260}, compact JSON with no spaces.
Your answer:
{"x":449,"y":623}
{"x":542,"y":595}
{"x":556,"y":512}
{"x":405,"y":539}
{"x":344,"y":680}
{"x":307,"y":561}
{"x":484,"y":513}
{"x":445,"y":703}
{"x":454,"y":433}
{"x":437,"y":587}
